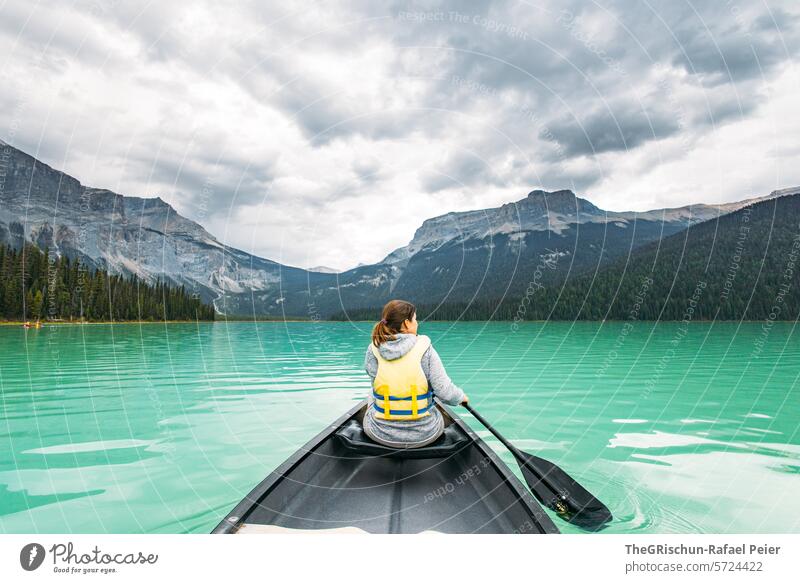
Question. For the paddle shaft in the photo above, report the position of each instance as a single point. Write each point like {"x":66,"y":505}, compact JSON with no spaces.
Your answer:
{"x":517,"y":454}
{"x":494,"y":431}
{"x":570,"y":500}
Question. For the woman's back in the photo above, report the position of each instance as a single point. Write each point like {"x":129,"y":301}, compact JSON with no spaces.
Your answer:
{"x":406,"y":373}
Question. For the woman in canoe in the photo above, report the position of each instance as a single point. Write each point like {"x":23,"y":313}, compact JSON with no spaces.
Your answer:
{"x":406,"y":373}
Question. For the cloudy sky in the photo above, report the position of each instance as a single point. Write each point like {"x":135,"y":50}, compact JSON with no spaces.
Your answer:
{"x":325,"y":133}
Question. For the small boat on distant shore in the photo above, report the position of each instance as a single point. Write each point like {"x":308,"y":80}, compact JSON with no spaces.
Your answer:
{"x":341,"y":481}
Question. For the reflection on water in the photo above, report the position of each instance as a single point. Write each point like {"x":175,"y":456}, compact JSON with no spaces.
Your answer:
{"x":164,"y":428}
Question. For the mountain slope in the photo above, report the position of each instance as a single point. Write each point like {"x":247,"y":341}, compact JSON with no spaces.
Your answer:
{"x":744,"y":265}
{"x":123,"y":234}
{"x":542,"y":239}
{"x":545,"y":211}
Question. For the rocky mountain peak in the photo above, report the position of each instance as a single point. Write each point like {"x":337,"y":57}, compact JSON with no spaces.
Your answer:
{"x":563,"y":202}
{"x":559,"y":194}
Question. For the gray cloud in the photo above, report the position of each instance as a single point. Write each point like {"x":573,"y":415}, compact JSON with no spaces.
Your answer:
{"x":727,"y":107}
{"x":52,"y":40}
{"x":281,"y":107}
{"x":715,"y":43}
{"x":461,"y":169}
{"x":368,"y":171}
{"x":624,"y":127}
{"x":218,"y":184}
{"x":730,"y":57}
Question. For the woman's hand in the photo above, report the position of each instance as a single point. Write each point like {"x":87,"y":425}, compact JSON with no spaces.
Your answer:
{"x":465,"y":400}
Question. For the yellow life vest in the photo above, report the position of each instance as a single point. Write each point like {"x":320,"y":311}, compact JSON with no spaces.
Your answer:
{"x":400,"y":387}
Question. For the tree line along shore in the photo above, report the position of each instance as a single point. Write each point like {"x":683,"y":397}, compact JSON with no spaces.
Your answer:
{"x":36,"y":286}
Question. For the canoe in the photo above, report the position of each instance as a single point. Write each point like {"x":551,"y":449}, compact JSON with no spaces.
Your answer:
{"x":340,"y":481}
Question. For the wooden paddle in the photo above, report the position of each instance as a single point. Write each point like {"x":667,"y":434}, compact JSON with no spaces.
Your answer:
{"x":553,"y":487}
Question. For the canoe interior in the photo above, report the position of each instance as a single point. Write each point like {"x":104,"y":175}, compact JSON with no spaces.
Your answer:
{"x":326,"y":486}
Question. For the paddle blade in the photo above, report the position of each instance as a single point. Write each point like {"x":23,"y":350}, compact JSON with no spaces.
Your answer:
{"x":556,"y":489}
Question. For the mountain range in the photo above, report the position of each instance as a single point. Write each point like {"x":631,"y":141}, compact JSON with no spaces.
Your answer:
{"x":546,"y":237}
{"x":744,"y":265}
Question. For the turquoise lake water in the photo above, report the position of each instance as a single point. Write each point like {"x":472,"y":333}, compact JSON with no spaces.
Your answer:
{"x":155,"y":428}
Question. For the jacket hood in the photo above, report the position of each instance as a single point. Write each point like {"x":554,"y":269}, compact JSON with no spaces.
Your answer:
{"x":394,"y":349}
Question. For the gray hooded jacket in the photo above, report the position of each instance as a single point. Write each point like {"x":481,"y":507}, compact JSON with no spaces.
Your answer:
{"x":418,"y":432}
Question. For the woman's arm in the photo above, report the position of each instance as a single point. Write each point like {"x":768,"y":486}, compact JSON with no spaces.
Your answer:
{"x":438,"y":380}
{"x":370,"y":363}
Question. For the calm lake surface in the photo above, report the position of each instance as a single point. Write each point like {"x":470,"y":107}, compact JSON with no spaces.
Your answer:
{"x":155,"y":428}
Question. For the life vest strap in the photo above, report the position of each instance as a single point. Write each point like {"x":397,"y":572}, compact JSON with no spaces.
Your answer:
{"x":381,"y":397}
{"x":421,"y":411}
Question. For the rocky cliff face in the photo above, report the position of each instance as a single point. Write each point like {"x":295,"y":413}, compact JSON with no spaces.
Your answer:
{"x":122,"y":234}
{"x":543,"y":238}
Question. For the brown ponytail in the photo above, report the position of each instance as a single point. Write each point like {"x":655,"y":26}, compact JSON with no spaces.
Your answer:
{"x":393,"y":315}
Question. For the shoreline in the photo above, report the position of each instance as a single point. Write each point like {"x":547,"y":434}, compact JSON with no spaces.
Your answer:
{"x":19,"y":323}
{"x":45,"y":323}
